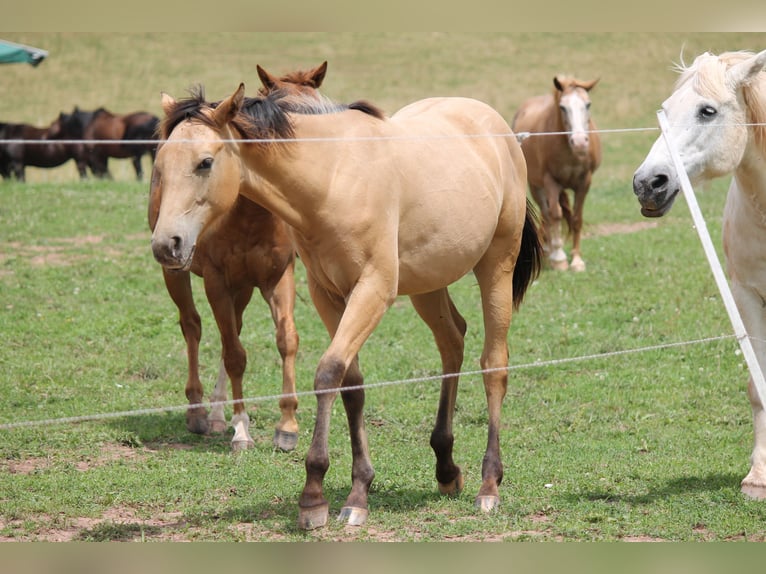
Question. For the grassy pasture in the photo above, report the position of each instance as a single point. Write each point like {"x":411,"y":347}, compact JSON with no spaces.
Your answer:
{"x":642,"y":446}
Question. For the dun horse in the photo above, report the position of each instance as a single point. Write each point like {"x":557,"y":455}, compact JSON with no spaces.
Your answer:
{"x":248,"y":248}
{"x":379,"y":207}
{"x":559,"y":162}
{"x":717,"y":117}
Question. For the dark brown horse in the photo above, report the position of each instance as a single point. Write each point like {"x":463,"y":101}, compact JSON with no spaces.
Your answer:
{"x":248,"y":248}
{"x":559,"y":162}
{"x":19,"y":147}
{"x":125,"y":136}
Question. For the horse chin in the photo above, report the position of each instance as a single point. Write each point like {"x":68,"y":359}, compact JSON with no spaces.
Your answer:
{"x":181,"y":266}
{"x":661,"y":210}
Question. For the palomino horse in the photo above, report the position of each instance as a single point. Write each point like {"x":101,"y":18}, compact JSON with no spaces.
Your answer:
{"x":717,"y":117}
{"x":125,"y":136}
{"x":378,"y":208}
{"x":564,"y":160}
{"x":16,"y":155}
{"x":248,"y":248}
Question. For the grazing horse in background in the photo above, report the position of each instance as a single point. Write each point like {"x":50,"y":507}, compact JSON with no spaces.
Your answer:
{"x":16,"y":155}
{"x":126,"y":136}
{"x":249,"y":248}
{"x":378,"y":207}
{"x":717,"y":117}
{"x":559,"y":162}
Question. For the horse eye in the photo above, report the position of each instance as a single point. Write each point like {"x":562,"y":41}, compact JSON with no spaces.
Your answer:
{"x":707,"y":112}
{"x":205,"y":164}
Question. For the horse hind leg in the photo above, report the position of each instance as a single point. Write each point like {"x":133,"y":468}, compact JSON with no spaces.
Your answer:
{"x":448,"y":327}
{"x":495,"y":277}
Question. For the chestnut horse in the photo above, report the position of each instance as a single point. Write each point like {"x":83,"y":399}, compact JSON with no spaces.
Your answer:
{"x":249,"y":248}
{"x":564,"y":160}
{"x":16,"y":155}
{"x":717,"y":117}
{"x":378,"y":207}
{"x":117,"y":131}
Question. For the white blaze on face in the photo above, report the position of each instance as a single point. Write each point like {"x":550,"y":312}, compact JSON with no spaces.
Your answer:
{"x":576,"y":116}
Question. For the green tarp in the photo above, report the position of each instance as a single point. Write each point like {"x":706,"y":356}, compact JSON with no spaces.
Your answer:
{"x":10,"y":53}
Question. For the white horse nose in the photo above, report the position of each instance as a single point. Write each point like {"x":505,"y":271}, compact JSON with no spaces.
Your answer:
{"x":579,"y":142}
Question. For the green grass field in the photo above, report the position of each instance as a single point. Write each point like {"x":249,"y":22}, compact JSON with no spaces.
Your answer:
{"x":610,"y":445}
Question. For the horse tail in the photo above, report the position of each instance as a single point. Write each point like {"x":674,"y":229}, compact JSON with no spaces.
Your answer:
{"x":530,"y":259}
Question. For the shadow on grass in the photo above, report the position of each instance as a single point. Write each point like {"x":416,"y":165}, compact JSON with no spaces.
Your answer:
{"x":167,"y":431}
{"x":718,"y":482}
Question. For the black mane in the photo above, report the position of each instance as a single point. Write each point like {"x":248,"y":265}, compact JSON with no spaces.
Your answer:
{"x":262,"y":117}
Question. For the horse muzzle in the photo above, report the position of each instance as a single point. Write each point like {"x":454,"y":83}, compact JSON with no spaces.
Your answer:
{"x":173,"y":253}
{"x":656,"y":192}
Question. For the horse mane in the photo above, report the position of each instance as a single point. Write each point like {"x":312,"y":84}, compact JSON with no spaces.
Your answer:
{"x":708,"y":72}
{"x":261,"y":117}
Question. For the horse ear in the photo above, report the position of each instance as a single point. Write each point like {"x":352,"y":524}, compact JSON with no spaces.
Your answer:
{"x":229,"y":107}
{"x":743,"y":72}
{"x":267,"y":79}
{"x":318,"y":73}
{"x":557,"y":83}
{"x":168,"y":102}
{"x":588,"y":86}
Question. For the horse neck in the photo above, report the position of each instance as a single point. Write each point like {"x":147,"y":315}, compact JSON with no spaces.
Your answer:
{"x":751,"y":172}
{"x":291,"y":179}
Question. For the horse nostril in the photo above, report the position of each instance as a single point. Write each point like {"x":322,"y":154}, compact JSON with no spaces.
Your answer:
{"x":659,"y":181}
{"x":175,"y":244}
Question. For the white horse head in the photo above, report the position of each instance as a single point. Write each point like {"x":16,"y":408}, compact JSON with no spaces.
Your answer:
{"x":708,"y":113}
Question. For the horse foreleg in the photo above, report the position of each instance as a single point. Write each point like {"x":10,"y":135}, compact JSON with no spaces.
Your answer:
{"x":178,"y":284}
{"x":228,"y":314}
{"x":137,"y":167}
{"x":354,"y":511}
{"x":281,"y":301}
{"x":448,"y":327}
{"x":577,"y":220}
{"x":349,"y":325}
{"x":750,"y":304}
{"x":557,"y":257}
{"x":217,"y":418}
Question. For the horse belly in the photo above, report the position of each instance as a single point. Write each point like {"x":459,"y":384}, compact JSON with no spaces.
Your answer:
{"x":442,"y":246}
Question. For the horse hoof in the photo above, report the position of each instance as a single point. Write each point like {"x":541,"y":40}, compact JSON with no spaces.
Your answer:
{"x":241,"y":445}
{"x":559,"y":265}
{"x":578,"y":266}
{"x":218,"y":427}
{"x":754,"y":491}
{"x":452,"y":488}
{"x":197,"y":425}
{"x":313,"y":517}
{"x":286,"y":441}
{"x":487,"y":503}
{"x":353,"y":515}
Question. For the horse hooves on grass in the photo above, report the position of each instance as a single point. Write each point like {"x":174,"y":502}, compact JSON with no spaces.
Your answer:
{"x":313,"y":517}
{"x":285,"y":441}
{"x":487,"y":503}
{"x":754,"y":491}
{"x":353,"y":515}
{"x":559,"y":265}
{"x":452,"y":488}
{"x":217,"y":427}
{"x":197,"y":425}
{"x":241,"y":445}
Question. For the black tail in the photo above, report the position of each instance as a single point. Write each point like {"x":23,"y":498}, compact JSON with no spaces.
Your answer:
{"x":530,"y":259}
